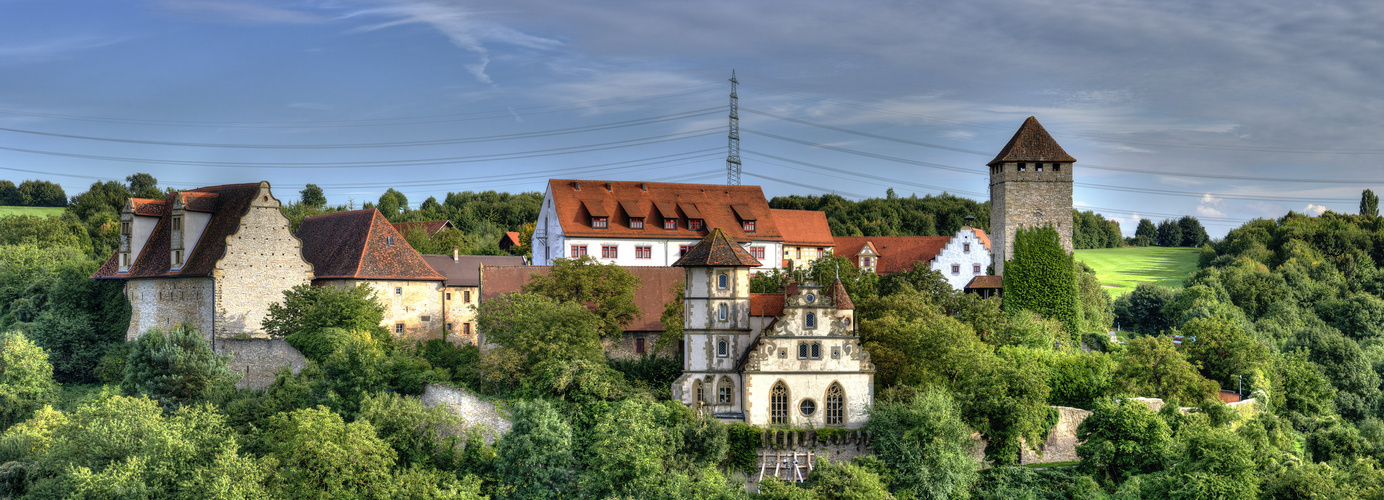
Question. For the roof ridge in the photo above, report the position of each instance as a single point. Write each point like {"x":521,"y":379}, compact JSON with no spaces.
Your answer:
{"x":369,"y":230}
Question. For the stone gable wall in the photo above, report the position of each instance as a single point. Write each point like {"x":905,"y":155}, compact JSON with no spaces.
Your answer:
{"x":262,"y":260}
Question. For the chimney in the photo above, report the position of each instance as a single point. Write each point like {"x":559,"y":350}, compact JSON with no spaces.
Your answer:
{"x":970,"y":221}
{"x":576,"y":185}
{"x":456,"y":254}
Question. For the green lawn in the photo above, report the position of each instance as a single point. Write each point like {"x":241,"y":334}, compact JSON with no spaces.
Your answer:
{"x":1121,"y":269}
{"x":31,"y":211}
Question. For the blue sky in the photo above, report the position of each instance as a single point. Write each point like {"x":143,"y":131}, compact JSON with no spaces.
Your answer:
{"x":1225,"y":110}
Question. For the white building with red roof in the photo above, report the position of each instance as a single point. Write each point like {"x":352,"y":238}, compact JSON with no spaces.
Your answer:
{"x":960,"y":257}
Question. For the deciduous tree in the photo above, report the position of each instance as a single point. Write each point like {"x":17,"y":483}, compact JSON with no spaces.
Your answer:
{"x":606,"y":289}
{"x":26,"y":378}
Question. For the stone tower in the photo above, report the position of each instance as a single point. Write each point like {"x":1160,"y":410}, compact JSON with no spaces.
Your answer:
{"x":716,"y":308}
{"x":1030,"y":186}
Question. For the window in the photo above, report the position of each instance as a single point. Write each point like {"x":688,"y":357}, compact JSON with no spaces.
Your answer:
{"x":465,"y":328}
{"x":723,"y":392}
{"x":722,"y":312}
{"x":639,"y":346}
{"x":835,"y":352}
{"x":722,"y":281}
{"x":816,"y":350}
{"x":670,"y":224}
{"x":802,"y":350}
{"x":1057,"y":167}
{"x":694,"y":224}
{"x":1023,"y":167}
{"x":636,"y":223}
{"x":810,"y":297}
{"x":975,"y":268}
{"x":398,"y":290}
{"x":466,"y":297}
{"x":449,"y":295}
{"x":682,"y":249}
{"x":125,"y":228}
{"x":645,"y":252}
{"x":1040,"y":168}
{"x":600,"y":222}
{"x":389,"y":241}
{"x":808,"y":407}
{"x":966,"y":247}
{"x":778,"y":404}
{"x":835,"y":404}
{"x":609,"y":252}
{"x":449,"y":327}
{"x":722,"y":348}
{"x":821,"y":251}
{"x":956,"y":268}
{"x":757,"y":252}
{"x":810,"y":321}
{"x":399,"y":327}
{"x":177,"y":223}
{"x":748,"y":226}
{"x":866,"y":262}
{"x":578,"y":251}
{"x":800,"y":253}
{"x":178,"y":257}
{"x":698,"y":392}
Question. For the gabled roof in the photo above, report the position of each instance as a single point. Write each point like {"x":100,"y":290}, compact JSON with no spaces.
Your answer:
{"x":716,"y":250}
{"x":466,"y":269}
{"x":984,"y":238}
{"x":982,"y":282}
{"x":227,"y":204}
{"x":575,"y":202}
{"x":509,"y":239}
{"x":654,"y":292}
{"x":360,"y":244}
{"x":807,"y":228}
{"x":896,"y":253}
{"x":1031,"y":143}
{"x":431,"y":226}
{"x":766,"y":304}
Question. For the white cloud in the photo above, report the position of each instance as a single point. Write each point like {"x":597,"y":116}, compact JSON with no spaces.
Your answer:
{"x":49,"y":49}
{"x":1210,"y":206}
{"x":960,"y":135}
{"x":240,"y":11}
{"x":1314,"y":210}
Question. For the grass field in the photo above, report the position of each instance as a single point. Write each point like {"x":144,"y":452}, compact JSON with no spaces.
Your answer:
{"x":1121,"y":269}
{"x":30,"y":211}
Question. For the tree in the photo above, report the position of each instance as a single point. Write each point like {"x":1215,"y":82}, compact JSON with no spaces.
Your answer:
{"x":144,"y":186}
{"x":608,"y":290}
{"x":9,"y":194}
{"x":1169,"y":233}
{"x":312,"y":196}
{"x":416,"y":432}
{"x":176,"y":368}
{"x":1223,"y":349}
{"x":535,"y":457}
{"x":1042,"y":278}
{"x":26,"y":378}
{"x":1121,"y":439}
{"x":539,"y":328}
{"x":925,"y":444}
{"x":625,"y":449}
{"x":1141,"y":311}
{"x":847,"y":480}
{"x":1145,"y":234}
{"x":41,"y":194}
{"x":1153,"y":367}
{"x":1302,"y":386}
{"x":398,"y":197}
{"x":307,"y":307}
{"x":1193,"y":234}
{"x":1369,"y":204}
{"x":672,"y":319}
{"x":320,"y":455}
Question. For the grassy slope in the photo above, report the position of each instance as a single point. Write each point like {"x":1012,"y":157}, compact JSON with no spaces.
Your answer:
{"x":40,"y":211}
{"x":1121,"y":269}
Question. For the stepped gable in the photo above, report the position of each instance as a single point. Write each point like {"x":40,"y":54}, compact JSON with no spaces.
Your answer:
{"x":227,"y":204}
{"x":896,"y":253}
{"x":717,"y":205}
{"x":839,"y":297}
{"x":360,"y":244}
{"x":716,"y":250}
{"x":1031,"y":143}
{"x":803,"y":227}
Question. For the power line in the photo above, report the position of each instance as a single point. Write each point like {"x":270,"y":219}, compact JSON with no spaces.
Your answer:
{"x":856,"y":173}
{"x":808,"y":186}
{"x":620,"y":165}
{"x":972,"y":171}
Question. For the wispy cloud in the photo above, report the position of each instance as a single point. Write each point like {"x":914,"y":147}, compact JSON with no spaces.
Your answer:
{"x":1211,"y":206}
{"x":1314,"y":209}
{"x":49,"y":49}
{"x":240,"y":11}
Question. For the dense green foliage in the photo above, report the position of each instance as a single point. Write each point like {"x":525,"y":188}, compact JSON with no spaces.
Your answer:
{"x":892,"y":215}
{"x":26,"y":378}
{"x":607,"y":289}
{"x":306,"y":308}
{"x":925,"y":445}
{"x":1093,"y":230}
{"x":1042,"y":278}
{"x":176,"y":367}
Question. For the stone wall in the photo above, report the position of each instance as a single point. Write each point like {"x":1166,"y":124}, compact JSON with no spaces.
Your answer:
{"x":415,"y":304}
{"x":471,"y":408}
{"x":259,"y":359}
{"x":459,"y":313}
{"x":262,"y":260}
{"x":1028,"y":199}
{"x":1061,"y":443}
{"x":166,"y":302}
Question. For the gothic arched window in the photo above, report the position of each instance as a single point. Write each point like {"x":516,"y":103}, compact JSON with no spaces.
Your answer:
{"x":724,"y":392}
{"x":778,"y":404}
{"x":836,"y":403}
{"x":723,"y":312}
{"x":722,"y":281}
{"x":698,"y":392}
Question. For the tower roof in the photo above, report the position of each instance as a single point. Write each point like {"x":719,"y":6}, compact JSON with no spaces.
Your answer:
{"x":716,"y":250}
{"x":1031,"y":143}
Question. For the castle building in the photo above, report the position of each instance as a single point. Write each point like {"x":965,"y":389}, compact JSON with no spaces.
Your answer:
{"x":779,"y":359}
{"x":960,"y":257}
{"x":461,"y":292}
{"x":653,"y":224}
{"x":1030,"y":186}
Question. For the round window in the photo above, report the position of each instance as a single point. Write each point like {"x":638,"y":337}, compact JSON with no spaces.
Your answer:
{"x":811,"y":298}
{"x":808,"y":407}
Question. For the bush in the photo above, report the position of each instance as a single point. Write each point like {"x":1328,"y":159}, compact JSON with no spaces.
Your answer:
{"x":26,"y":378}
{"x":176,"y":368}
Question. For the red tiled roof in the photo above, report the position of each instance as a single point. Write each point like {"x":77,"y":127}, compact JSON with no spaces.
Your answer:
{"x":577,"y":201}
{"x":199,"y":202}
{"x":803,"y":227}
{"x":509,"y":239}
{"x":766,"y":304}
{"x":360,"y":244}
{"x":431,"y":226}
{"x":992,"y":282}
{"x":1031,"y":143}
{"x":984,"y":238}
{"x":839,"y":297}
{"x":655,"y":289}
{"x":716,"y":250}
{"x":229,"y":203}
{"x":896,"y":253}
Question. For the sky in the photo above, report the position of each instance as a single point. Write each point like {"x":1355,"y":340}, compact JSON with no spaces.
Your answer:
{"x":1227,"y":111}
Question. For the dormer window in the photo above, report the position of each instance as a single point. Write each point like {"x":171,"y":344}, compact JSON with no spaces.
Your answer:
{"x":125,"y":228}
{"x":636,"y":223}
{"x":748,"y":226}
{"x":600,"y":222}
{"x":694,"y":224}
{"x":389,"y":241}
{"x":670,"y":224}
{"x":177,"y":223}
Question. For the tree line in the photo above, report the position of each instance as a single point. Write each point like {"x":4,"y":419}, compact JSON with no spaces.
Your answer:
{"x":32,"y":193}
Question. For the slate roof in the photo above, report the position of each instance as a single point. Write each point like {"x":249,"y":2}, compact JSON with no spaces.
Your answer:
{"x":896,"y":253}
{"x":431,"y":226}
{"x":807,"y":228}
{"x":716,"y":250}
{"x":654,"y":292}
{"x":576,"y":201}
{"x":227,"y":204}
{"x":466,"y":269}
{"x":1031,"y":143}
{"x":360,"y":244}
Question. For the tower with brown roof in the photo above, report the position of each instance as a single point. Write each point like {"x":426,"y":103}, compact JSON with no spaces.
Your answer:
{"x":1030,"y":186}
